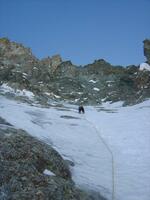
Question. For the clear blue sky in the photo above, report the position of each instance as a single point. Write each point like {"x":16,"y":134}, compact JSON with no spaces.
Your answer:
{"x":79,"y":30}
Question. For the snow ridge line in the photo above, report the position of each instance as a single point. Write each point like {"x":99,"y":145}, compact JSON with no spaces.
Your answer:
{"x":111,"y":153}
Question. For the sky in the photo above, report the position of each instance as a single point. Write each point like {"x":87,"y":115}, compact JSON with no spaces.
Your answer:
{"x":79,"y":30}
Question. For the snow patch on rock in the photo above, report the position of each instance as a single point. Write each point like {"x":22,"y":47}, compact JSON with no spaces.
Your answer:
{"x":48,"y":172}
{"x":92,"y":81}
{"x":144,"y":66}
{"x":96,"y":89}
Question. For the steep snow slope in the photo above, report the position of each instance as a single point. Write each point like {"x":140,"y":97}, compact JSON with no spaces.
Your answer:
{"x":127,"y":132}
{"x":83,"y":139}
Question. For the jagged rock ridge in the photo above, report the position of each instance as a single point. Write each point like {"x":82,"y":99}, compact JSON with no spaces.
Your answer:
{"x":52,"y":78}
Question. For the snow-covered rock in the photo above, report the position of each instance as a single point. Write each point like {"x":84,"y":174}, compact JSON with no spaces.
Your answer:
{"x":144,"y":66}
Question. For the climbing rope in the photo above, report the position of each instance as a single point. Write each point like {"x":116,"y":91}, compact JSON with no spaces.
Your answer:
{"x":111,"y":153}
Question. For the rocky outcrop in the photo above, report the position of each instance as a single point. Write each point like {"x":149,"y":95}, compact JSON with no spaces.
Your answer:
{"x":147,"y":50}
{"x":14,"y":53}
{"x":52,"y":62}
{"x":23,"y":160}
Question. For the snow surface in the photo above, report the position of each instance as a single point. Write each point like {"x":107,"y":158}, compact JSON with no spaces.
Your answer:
{"x":144,"y":66}
{"x":83,"y":139}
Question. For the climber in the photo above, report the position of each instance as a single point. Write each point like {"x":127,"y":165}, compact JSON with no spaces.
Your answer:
{"x":81,"y":109}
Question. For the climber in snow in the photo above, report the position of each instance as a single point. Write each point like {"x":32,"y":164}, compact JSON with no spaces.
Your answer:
{"x":81,"y":109}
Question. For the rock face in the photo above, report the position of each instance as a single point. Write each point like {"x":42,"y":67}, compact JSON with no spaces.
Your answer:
{"x":52,"y":78}
{"x":52,"y":62}
{"x":147,"y":50}
{"x":23,"y":160}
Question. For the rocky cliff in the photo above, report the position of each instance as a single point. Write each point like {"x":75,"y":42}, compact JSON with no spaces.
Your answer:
{"x":52,"y":78}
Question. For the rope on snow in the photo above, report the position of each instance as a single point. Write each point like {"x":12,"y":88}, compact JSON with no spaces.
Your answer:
{"x":111,"y":153}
